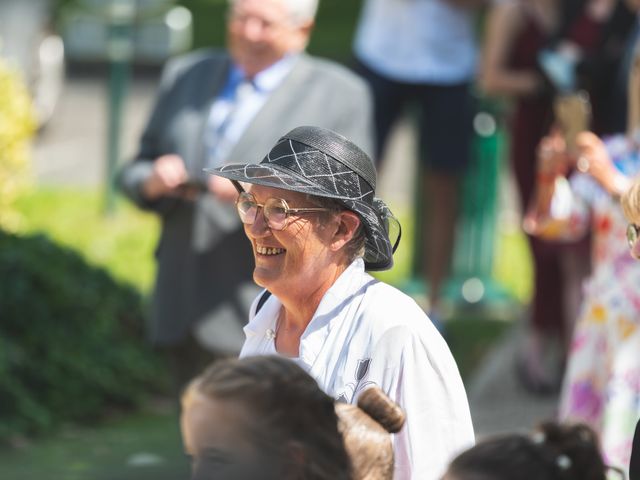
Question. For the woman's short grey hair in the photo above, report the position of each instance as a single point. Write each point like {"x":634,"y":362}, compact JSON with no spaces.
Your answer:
{"x":300,"y":11}
{"x":355,"y":248}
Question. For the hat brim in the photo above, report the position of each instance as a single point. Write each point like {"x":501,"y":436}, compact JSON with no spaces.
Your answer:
{"x":270,"y":175}
{"x":378,"y":247}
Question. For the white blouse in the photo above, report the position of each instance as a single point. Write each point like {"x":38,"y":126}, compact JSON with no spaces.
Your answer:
{"x":366,"y":332}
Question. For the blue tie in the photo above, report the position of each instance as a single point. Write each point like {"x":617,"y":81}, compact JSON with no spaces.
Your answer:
{"x":218,"y":143}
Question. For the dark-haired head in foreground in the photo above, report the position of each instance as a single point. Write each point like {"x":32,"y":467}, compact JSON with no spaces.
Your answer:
{"x":261,"y":418}
{"x":552,"y":452}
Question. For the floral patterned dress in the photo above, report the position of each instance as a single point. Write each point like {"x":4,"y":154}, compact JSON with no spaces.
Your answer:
{"x":602,"y":380}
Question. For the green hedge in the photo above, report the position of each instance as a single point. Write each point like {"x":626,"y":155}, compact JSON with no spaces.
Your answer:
{"x":71,"y":341}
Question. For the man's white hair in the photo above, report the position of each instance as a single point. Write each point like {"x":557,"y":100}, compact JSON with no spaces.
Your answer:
{"x":300,"y":11}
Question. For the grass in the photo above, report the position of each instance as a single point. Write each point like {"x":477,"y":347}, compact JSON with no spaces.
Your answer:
{"x":144,"y":446}
{"x":470,"y":338}
{"x":122,"y":243}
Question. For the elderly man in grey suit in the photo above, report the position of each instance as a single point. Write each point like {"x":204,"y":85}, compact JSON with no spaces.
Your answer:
{"x":215,"y":107}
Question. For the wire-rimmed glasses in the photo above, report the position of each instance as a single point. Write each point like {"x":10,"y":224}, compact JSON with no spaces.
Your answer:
{"x":276,"y":211}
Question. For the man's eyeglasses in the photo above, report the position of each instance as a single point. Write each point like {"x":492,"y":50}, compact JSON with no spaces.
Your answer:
{"x":275,"y":211}
{"x":633,"y":234}
{"x":266,"y":25}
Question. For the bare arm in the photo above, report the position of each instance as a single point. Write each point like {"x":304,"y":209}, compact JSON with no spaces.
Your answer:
{"x":591,"y":157}
{"x":594,"y":159}
{"x":504,"y":23}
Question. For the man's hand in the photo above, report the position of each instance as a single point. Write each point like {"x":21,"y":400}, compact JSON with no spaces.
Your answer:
{"x":168,"y":174}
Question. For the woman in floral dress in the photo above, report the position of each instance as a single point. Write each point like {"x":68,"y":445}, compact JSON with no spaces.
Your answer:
{"x":602,"y":381}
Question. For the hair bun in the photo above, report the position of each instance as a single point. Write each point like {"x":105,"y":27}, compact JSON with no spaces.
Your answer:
{"x":375,"y":403}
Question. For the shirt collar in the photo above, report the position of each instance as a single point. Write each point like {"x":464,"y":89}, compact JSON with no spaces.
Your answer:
{"x":329,"y":311}
{"x":268,"y":79}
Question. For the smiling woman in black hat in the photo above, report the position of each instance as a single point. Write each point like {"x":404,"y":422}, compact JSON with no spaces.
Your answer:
{"x":310,"y":213}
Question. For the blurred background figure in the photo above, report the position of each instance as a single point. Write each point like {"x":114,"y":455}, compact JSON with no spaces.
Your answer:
{"x":602,"y":381}
{"x":569,"y":452}
{"x":534,"y":52}
{"x":215,"y":107}
{"x":261,"y":418}
{"x":366,"y":430}
{"x":423,"y":54}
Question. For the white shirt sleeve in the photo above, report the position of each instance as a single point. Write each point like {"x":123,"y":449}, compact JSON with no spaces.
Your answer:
{"x":424,"y":380}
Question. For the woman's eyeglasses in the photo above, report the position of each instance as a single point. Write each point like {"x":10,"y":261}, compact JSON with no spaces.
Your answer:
{"x":276,"y":212}
{"x":633,"y":234}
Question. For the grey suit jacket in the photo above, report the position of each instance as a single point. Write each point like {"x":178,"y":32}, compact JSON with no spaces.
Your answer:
{"x":205,"y":263}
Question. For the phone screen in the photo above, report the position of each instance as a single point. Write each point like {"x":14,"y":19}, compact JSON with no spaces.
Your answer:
{"x":573,"y":115}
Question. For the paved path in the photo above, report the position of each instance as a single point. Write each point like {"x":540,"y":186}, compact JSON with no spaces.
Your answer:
{"x":498,"y":402}
{"x":72,"y":152}
{"x":72,"y":148}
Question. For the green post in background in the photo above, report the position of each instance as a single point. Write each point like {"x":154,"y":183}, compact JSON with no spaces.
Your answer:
{"x":119,"y":53}
{"x":472,"y":282}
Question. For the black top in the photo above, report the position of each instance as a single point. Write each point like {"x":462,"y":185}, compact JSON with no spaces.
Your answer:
{"x":634,"y":465}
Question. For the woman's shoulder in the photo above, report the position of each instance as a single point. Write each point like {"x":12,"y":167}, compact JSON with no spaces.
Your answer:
{"x":389,"y":298}
{"x":390,"y":311}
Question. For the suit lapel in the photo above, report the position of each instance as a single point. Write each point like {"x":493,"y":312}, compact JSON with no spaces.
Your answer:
{"x":219,"y":77}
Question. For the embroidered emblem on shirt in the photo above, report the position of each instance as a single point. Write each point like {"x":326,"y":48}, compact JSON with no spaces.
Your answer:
{"x":352,"y":388}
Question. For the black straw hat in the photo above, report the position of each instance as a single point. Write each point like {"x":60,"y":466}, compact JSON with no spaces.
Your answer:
{"x":323,"y":163}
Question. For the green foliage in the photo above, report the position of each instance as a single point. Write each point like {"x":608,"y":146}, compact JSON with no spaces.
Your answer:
{"x":17,"y":124}
{"x":70,"y":338}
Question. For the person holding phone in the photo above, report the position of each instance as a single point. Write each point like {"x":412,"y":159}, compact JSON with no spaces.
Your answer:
{"x":517,"y":32}
{"x":602,"y":380}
